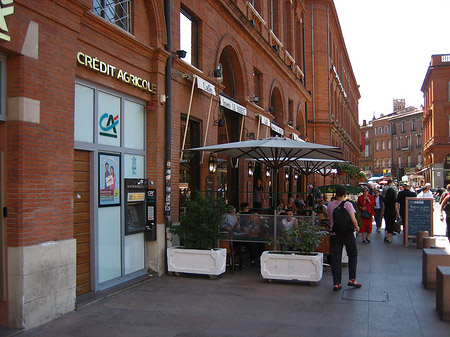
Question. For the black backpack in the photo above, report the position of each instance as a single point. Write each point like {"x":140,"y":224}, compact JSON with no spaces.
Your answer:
{"x":342,"y":223}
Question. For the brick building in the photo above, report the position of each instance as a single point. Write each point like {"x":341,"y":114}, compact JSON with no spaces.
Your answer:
{"x":95,"y":94}
{"x":366,"y":160}
{"x":436,"y":121}
{"x":332,"y":116}
{"x":407,"y":144}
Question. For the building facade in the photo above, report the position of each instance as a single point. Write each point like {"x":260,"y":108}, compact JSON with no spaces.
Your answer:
{"x":366,"y":160}
{"x":436,"y":121}
{"x":100,"y":100}
{"x":332,"y":117}
{"x":407,"y":146}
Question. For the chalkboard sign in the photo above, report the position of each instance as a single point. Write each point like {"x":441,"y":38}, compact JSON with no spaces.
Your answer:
{"x":419,"y":216}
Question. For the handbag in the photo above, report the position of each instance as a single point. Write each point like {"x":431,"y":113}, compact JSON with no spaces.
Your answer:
{"x":365,"y":214}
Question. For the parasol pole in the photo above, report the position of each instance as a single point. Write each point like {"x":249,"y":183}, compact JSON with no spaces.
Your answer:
{"x":187,"y":119}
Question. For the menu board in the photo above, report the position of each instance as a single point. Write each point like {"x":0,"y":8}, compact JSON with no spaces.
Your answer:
{"x":419,"y":217}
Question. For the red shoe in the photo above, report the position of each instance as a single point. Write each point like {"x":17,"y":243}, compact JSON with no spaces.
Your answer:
{"x":337,"y":287}
{"x":352,"y":283}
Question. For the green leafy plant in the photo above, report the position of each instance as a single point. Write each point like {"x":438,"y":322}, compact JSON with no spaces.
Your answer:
{"x":303,"y":238}
{"x":199,"y":226}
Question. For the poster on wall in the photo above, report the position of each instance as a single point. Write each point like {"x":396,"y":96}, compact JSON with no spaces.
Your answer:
{"x":108,"y":179}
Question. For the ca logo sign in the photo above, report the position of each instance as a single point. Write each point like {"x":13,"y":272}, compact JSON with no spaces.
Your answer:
{"x":108,"y":124}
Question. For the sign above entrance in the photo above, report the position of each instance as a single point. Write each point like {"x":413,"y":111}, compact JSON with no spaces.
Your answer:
{"x":264,"y":120}
{"x":95,"y":64}
{"x":206,"y":86}
{"x":277,"y":129}
{"x":229,"y":104}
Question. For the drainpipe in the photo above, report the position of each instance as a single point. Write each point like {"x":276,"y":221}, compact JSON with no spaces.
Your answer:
{"x":168,"y":121}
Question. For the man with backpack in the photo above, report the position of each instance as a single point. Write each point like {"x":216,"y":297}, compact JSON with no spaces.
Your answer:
{"x":343,"y":223}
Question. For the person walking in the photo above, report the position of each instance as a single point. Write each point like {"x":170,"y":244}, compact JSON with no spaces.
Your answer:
{"x":390,"y":213}
{"x":378,"y":198}
{"x":445,"y":207}
{"x":337,"y":242}
{"x":366,"y":204}
{"x":426,"y":192}
{"x":401,"y":200}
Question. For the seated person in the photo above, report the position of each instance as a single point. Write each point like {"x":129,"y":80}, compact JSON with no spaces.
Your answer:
{"x":299,"y":202}
{"x":229,"y":220}
{"x":289,"y":221}
{"x":291,"y":204}
{"x":281,"y":208}
{"x":321,"y":209}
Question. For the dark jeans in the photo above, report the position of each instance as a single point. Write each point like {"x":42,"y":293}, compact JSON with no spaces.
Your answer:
{"x":378,"y":217}
{"x":337,"y":242}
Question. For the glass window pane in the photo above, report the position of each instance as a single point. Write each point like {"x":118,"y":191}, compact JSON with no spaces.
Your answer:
{"x":108,"y":119}
{"x":84,"y":114}
{"x":134,"y":249}
{"x":134,"y":124}
{"x":186,"y":37}
{"x":133,"y":166}
{"x":109,"y":251}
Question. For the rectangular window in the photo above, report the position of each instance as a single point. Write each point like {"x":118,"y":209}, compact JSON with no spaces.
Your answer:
{"x":394,"y":129}
{"x":399,"y":161}
{"x":377,"y":146}
{"x":403,"y":127}
{"x":408,"y":142}
{"x":413,"y":125}
{"x":189,"y":38}
{"x":366,"y":151}
{"x":376,"y":131}
{"x":367,"y":134}
{"x":399,"y":143}
{"x":409,"y":161}
{"x":389,"y":144}
{"x":419,"y":140}
{"x":117,"y":12}
{"x":257,"y":87}
{"x":290,"y":112}
{"x":383,"y":145}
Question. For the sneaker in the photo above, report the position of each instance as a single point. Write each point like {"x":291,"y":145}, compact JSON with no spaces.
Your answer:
{"x":368,"y":241}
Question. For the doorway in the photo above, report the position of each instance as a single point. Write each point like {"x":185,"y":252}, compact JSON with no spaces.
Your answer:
{"x":82,"y":220}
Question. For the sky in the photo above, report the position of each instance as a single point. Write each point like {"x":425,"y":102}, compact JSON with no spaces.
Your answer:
{"x":390,"y":43}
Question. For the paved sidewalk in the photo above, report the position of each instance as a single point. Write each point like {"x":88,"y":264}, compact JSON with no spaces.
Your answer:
{"x":391,"y":302}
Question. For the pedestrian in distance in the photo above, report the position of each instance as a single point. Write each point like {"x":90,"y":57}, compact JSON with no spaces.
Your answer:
{"x":366,"y":204}
{"x":343,"y":223}
{"x":390,"y":213}
{"x":378,"y":198}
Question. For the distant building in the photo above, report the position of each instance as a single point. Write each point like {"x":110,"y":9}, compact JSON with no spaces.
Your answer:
{"x":436,"y":121}
{"x":407,"y":142}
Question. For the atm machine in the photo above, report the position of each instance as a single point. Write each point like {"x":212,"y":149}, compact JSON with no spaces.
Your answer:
{"x":140,"y":210}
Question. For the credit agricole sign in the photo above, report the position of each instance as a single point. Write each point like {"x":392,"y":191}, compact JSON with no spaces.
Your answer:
{"x":93,"y":63}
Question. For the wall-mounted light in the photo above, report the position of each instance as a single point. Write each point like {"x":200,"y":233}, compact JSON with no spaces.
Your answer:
{"x":251,"y":135}
{"x":217,"y":72}
{"x":271,"y":109}
{"x":296,"y":174}
{"x":220,"y":122}
{"x":181,"y":53}
{"x":290,"y":123}
{"x":251,"y":168}
{"x":287,"y":172}
{"x":212,"y":164}
{"x":255,"y":99}
{"x":275,"y":48}
{"x":268,"y":172}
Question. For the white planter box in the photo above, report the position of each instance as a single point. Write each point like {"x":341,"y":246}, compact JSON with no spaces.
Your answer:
{"x":292,"y":266}
{"x":194,"y":261}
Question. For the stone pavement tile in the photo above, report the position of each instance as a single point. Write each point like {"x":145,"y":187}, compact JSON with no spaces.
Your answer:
{"x":339,"y":331}
{"x":287,"y":330}
{"x":345,"y":315}
{"x":389,"y":319}
{"x":431,"y":323}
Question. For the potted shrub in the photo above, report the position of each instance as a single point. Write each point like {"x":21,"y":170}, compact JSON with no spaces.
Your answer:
{"x":198,"y":233}
{"x":297,"y":259}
